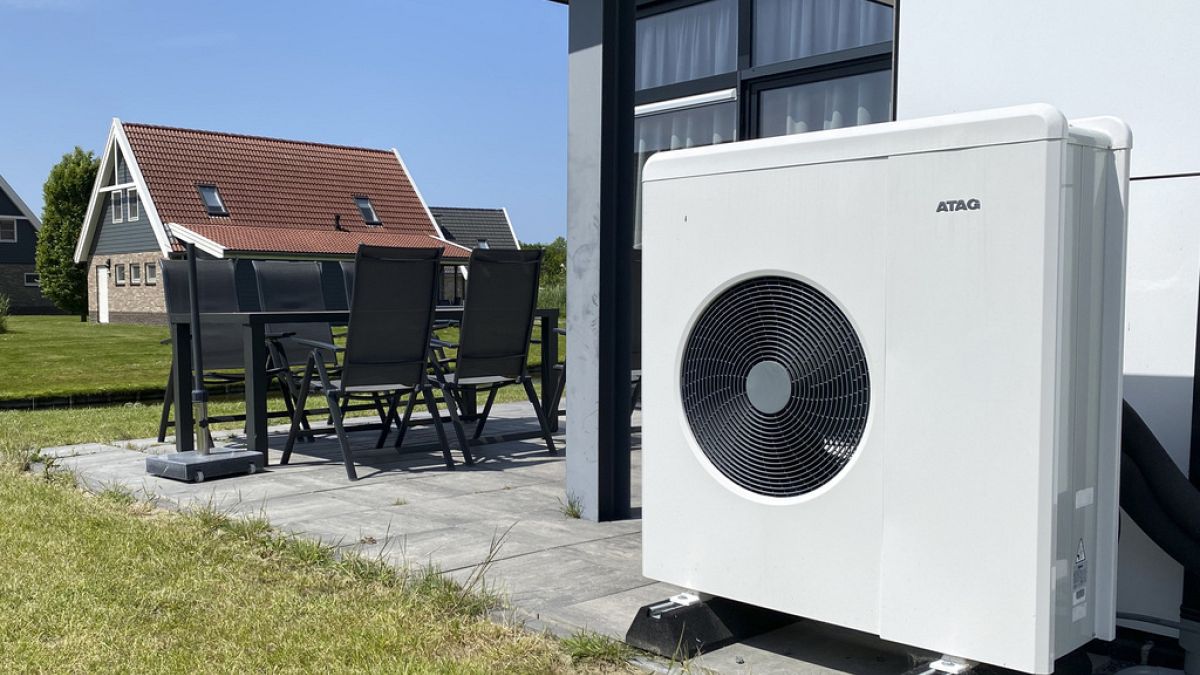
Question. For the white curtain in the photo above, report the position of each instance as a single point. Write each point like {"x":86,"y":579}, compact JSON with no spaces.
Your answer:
{"x":793,"y":29}
{"x":830,"y":104}
{"x":706,"y":125}
{"x":687,"y":44}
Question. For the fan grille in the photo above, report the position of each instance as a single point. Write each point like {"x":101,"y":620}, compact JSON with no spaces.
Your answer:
{"x":775,"y":386}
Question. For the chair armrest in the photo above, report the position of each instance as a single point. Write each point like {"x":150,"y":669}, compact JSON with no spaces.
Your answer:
{"x":446,"y":323}
{"x":277,"y":336}
{"x":435,"y":342}
{"x":315,"y":344}
{"x":165,"y":341}
{"x":559,"y":331}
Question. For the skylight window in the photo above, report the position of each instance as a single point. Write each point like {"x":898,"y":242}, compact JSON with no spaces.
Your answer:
{"x":212,"y":200}
{"x":367,"y":211}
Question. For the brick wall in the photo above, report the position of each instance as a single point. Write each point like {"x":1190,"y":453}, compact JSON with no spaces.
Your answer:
{"x":130,"y":303}
{"x":23,"y":299}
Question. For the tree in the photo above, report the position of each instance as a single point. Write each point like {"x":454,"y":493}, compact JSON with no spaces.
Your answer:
{"x":66,"y":194}
{"x":554,"y":261}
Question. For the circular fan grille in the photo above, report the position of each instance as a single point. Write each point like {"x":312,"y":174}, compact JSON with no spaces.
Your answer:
{"x":775,"y":386}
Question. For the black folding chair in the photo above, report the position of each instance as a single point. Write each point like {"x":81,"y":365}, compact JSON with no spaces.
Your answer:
{"x":223,"y":355}
{"x":387,"y":345}
{"x":494,"y":338}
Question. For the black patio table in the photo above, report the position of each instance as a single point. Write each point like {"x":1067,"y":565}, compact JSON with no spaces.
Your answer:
{"x":253,"y":325}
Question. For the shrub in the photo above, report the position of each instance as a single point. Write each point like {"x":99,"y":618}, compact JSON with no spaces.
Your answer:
{"x":554,"y":295}
{"x":5,"y":305}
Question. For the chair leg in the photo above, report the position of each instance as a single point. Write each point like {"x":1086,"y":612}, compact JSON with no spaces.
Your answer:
{"x":387,"y":418}
{"x":408,"y":408}
{"x":298,"y":415}
{"x":558,"y":394}
{"x":335,"y":413}
{"x":168,"y":400}
{"x":463,"y":444}
{"x":437,"y":425}
{"x":541,"y":415}
{"x":487,"y":409}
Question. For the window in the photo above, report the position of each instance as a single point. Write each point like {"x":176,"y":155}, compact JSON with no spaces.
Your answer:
{"x":8,"y":231}
{"x":151,"y":274}
{"x":33,"y":279}
{"x":690,"y":43}
{"x":212,"y":200}
{"x":135,"y":274}
{"x":367,"y":211}
{"x":482,"y":243}
{"x":133,"y":209}
{"x":825,"y":104}
{"x":785,"y":30}
{"x":119,"y":275}
{"x":118,"y":213}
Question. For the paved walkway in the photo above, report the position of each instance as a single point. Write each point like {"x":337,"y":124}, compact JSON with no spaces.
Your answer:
{"x":555,"y":572}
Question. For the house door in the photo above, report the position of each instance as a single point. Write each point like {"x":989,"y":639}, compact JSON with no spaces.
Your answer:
{"x":102,"y":293}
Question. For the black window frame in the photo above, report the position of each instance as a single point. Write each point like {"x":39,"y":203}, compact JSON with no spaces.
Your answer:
{"x":213,"y":212}
{"x":37,"y":280}
{"x":358,"y":199}
{"x":749,"y":80}
{"x":16,"y":230}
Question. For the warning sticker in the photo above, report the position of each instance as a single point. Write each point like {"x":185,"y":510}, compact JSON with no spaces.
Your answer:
{"x":1079,"y":576}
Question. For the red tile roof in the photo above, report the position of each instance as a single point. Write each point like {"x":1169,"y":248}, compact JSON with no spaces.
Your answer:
{"x":281,"y":195}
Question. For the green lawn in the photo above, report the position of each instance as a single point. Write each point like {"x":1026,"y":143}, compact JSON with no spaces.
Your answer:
{"x":52,"y":356}
{"x":58,"y":356}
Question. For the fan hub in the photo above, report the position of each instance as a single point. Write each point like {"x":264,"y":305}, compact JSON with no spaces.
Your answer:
{"x":769,"y":387}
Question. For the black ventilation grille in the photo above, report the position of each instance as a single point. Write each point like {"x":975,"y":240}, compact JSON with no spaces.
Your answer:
{"x":775,"y":386}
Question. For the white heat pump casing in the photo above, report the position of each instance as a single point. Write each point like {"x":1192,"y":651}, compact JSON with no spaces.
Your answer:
{"x":992,"y":338}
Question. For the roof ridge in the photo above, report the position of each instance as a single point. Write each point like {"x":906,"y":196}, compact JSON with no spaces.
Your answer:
{"x":466,"y":208}
{"x":274,"y":139}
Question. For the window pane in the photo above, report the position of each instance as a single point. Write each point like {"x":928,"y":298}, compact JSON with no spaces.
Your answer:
{"x":131,"y":203}
{"x":706,"y":125}
{"x":794,"y":29}
{"x":118,"y":215}
{"x":8,"y":230}
{"x":212,"y":199}
{"x":686,"y":44}
{"x":830,"y":104}
{"x":367,"y":210}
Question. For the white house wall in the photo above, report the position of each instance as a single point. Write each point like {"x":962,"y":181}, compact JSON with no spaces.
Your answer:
{"x":1097,"y":57}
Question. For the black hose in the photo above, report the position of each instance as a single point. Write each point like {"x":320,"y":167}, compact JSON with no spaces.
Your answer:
{"x":1139,"y":502}
{"x":1173,"y":491}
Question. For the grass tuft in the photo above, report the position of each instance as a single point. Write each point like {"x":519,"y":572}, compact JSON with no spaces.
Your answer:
{"x":596,"y":649}
{"x":573,"y":507}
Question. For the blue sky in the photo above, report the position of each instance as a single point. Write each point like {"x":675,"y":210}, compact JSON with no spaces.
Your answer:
{"x":472,"y":92}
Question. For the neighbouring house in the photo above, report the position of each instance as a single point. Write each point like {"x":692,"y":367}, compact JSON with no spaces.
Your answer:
{"x":473,"y":228}
{"x":18,"y":245}
{"x":240,"y":197}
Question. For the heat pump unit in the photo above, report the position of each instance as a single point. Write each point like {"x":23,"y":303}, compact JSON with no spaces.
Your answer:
{"x":882,"y":378}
